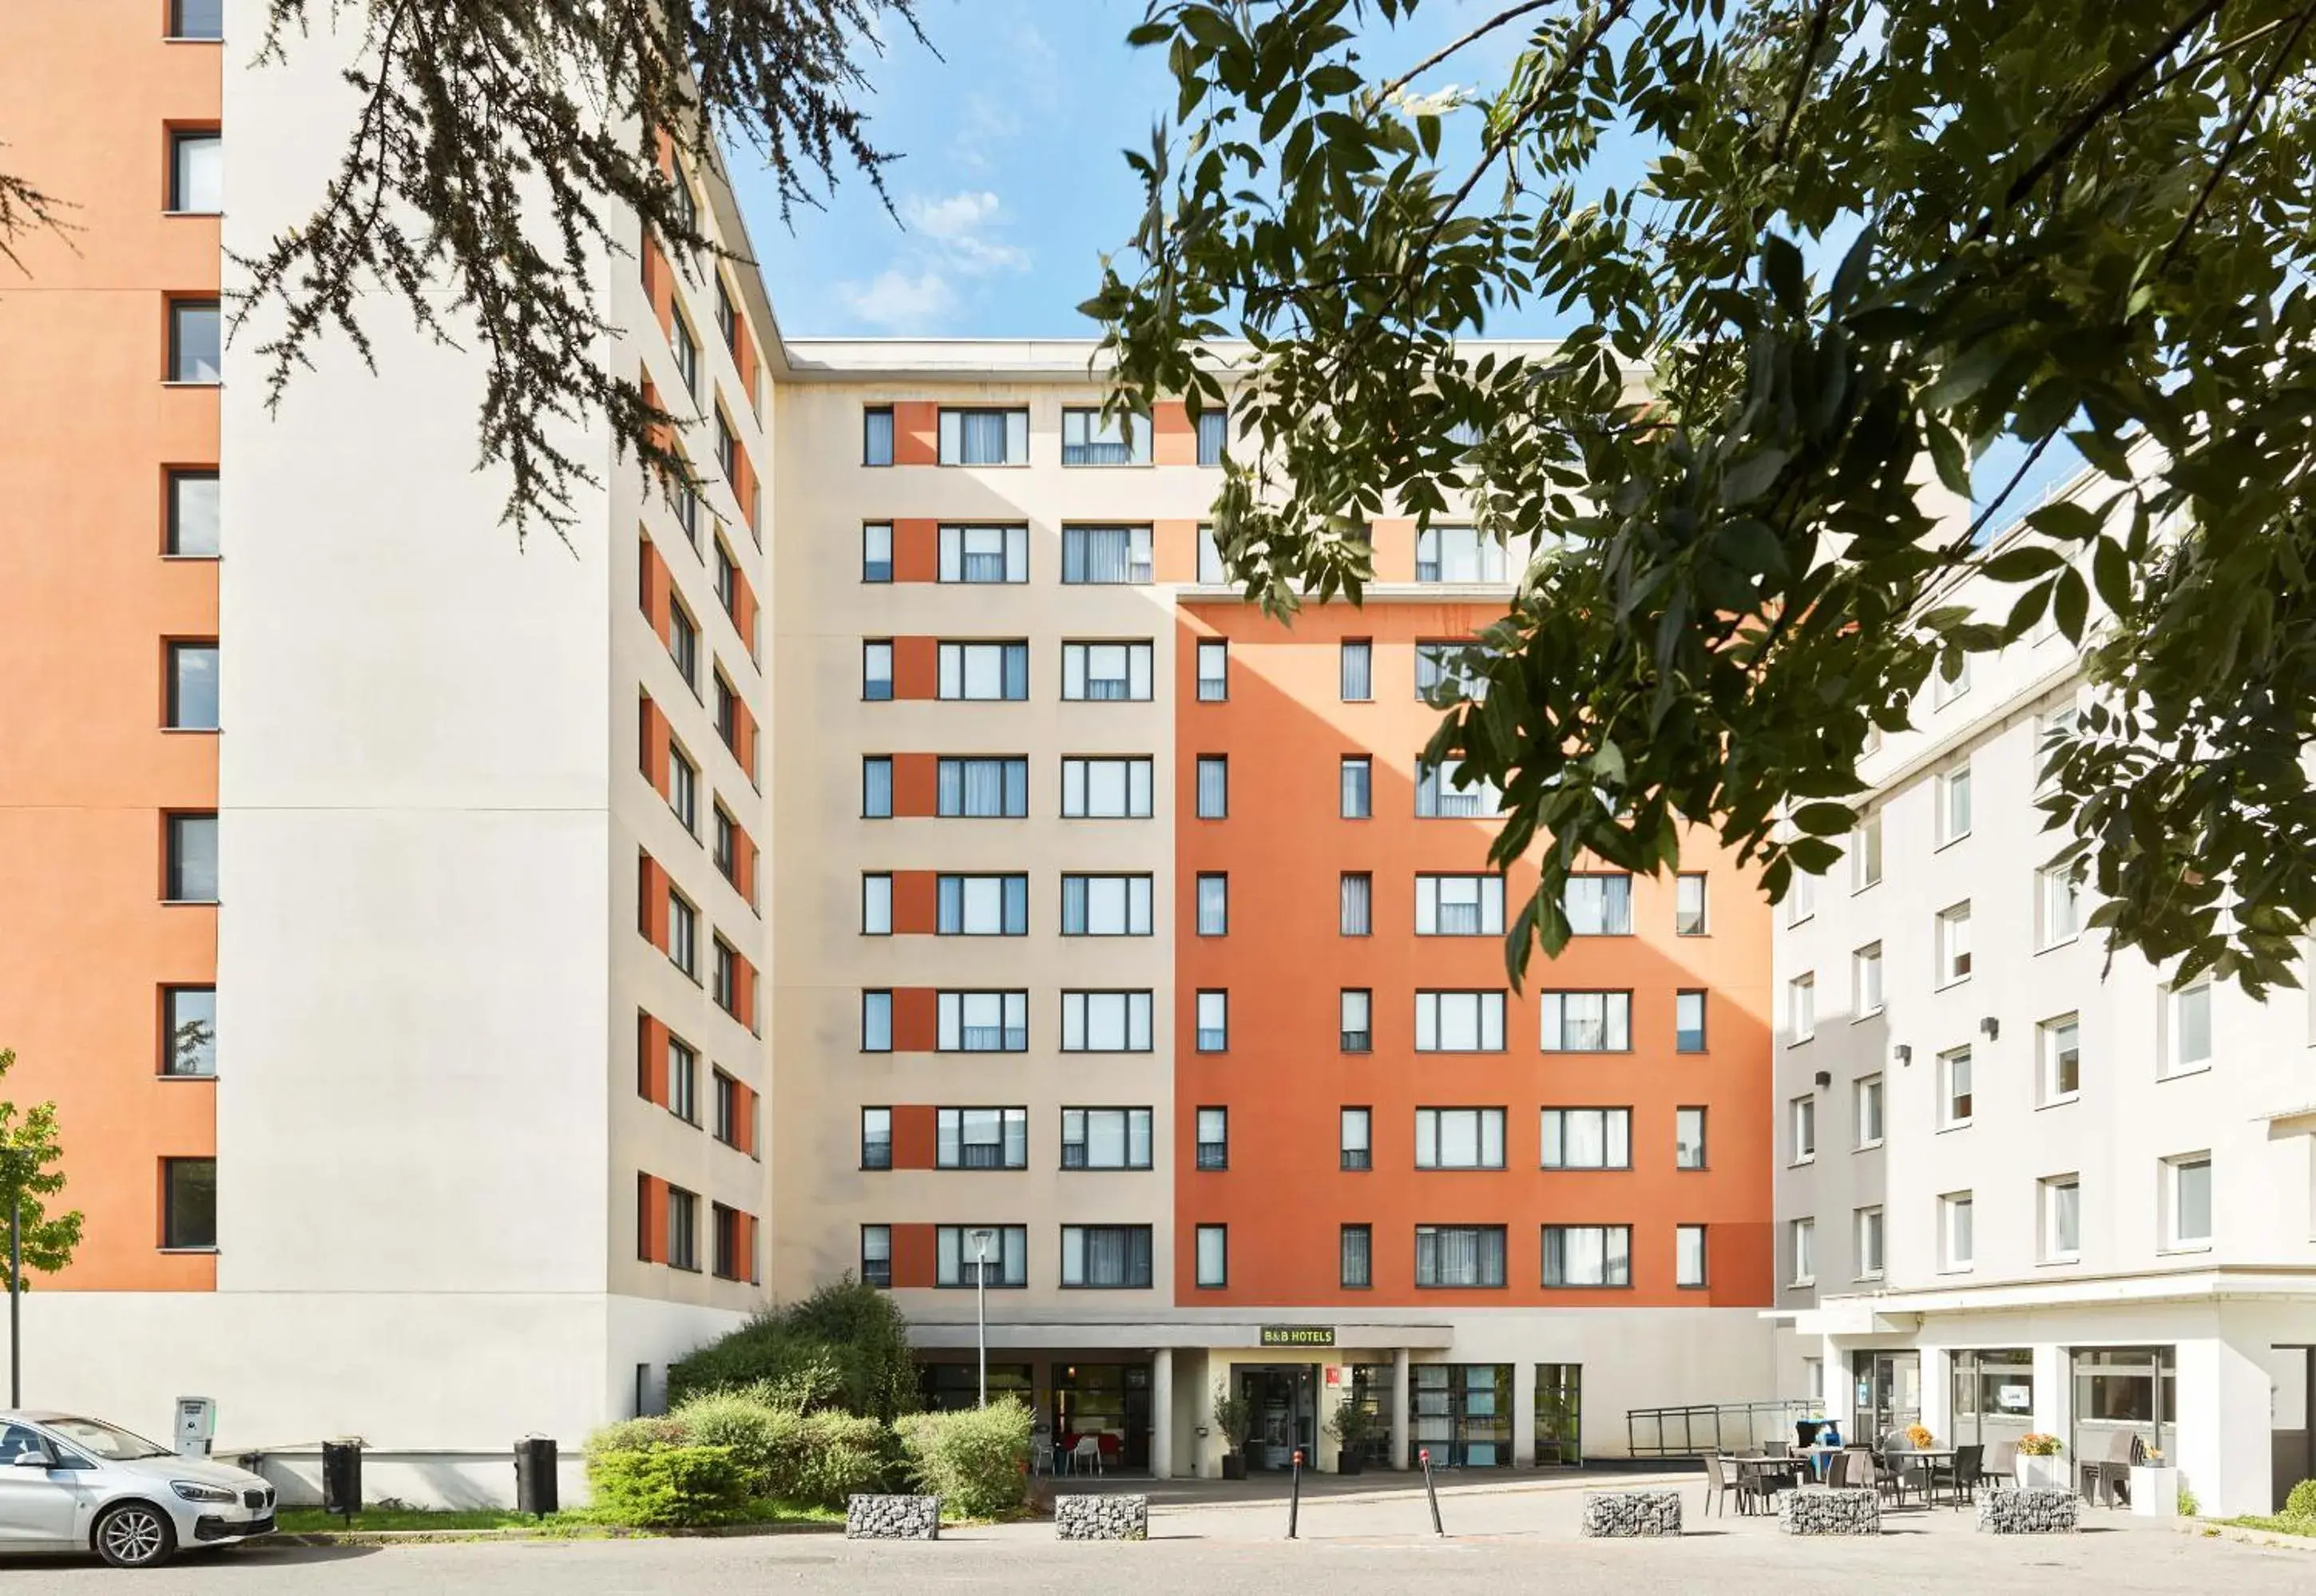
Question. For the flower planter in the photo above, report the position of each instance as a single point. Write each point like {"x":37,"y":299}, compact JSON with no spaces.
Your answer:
{"x":2042,"y":1474}
{"x":1234,"y":1465}
{"x":1347,"y":1461}
{"x":2155,"y":1490}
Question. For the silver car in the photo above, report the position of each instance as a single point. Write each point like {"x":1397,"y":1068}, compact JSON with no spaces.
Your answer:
{"x":76,"y":1485}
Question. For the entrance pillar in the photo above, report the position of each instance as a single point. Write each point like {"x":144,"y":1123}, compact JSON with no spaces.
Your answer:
{"x":1399,"y":1407}
{"x":1162,"y":1413}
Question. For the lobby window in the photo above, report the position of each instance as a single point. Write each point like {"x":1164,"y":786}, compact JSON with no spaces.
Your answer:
{"x":1802,"y":1116}
{"x":968,"y":1255}
{"x":1358,"y":787}
{"x":876,"y":1021}
{"x":1688,"y":1139}
{"x":1106,"y":556}
{"x":1214,"y":1022}
{"x":980,"y":906}
{"x":1214,"y":1138}
{"x":684,"y":788}
{"x":1358,"y":671}
{"x":1459,"y":1022}
{"x":192,"y":528}
{"x":1355,"y":903}
{"x":1356,"y":1138}
{"x":196,"y":173}
{"x":982,"y":1022}
{"x":1451,"y":1255}
{"x":1954,"y":944}
{"x":876,"y":551}
{"x":876,"y":787}
{"x":188,"y":1031}
{"x":977,"y":555}
{"x":1106,"y":789}
{"x":1460,"y":905}
{"x":1355,"y":1021}
{"x":1214,"y":1257}
{"x":877,"y":435}
{"x":192,"y":687}
{"x":1599,"y":905}
{"x":1457,"y":554}
{"x":189,"y":1204}
{"x":1214,"y":905}
{"x":876,"y":1256}
{"x":2060,"y":1043}
{"x":1688,"y":1255}
{"x":1106,"y":672}
{"x":1865,"y":980}
{"x":1106,"y":1257}
{"x":1214,"y":670}
{"x":1106,"y":906}
{"x":1801,"y":1244}
{"x":1214,"y":786}
{"x":984,"y":672}
{"x":1587,"y":1022}
{"x":981,"y":1138}
{"x":1688,"y":1022}
{"x":982,"y":789}
{"x":2059,"y":901}
{"x":1587,"y":1139}
{"x":1800,"y":1007}
{"x":1954,"y":804}
{"x":683,"y":644}
{"x":2188,"y":1202}
{"x":877,"y":671}
{"x":1955,"y":1099}
{"x":1105,"y":1138}
{"x":2063,"y":1218}
{"x":2187,"y":1032}
{"x":197,"y":18}
{"x":683,"y":1082}
{"x":1869,"y":1222}
{"x":1867,"y":1091}
{"x":1088,"y":438}
{"x":876,"y":1139}
{"x":1459,"y":1138}
{"x":1688,"y":918}
{"x":196,"y":341}
{"x":1957,"y":1243}
{"x":683,"y":934}
{"x":190,"y":873}
{"x":1357,"y":1256}
{"x":1106,"y":1022}
{"x":1439,"y":796}
{"x":1214,"y":436}
{"x":1866,"y":853}
{"x":984,"y":437}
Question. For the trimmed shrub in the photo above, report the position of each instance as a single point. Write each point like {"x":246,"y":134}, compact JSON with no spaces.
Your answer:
{"x":976,"y":1461}
{"x":817,"y":1458}
{"x":667,"y":1486}
{"x":2301,"y":1501}
{"x":841,"y":1453}
{"x":845,"y":1346}
{"x":636,"y":1435}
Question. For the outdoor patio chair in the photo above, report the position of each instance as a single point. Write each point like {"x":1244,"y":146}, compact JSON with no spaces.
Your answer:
{"x":1963,"y":1473}
{"x":1716,"y":1484}
{"x":2001,"y":1467}
{"x":2102,"y":1479}
{"x":1088,"y":1452}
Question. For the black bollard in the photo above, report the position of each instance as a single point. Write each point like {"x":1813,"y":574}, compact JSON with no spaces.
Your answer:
{"x":1432,"y":1490}
{"x":1295,"y":1494}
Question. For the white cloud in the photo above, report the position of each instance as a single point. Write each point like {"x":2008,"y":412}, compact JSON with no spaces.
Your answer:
{"x":960,"y":224}
{"x":898,"y":301}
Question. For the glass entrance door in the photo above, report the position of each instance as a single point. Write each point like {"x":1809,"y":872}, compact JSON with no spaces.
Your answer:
{"x":1889,"y":1394}
{"x":1110,"y":1402}
{"x":1559,"y":1413}
{"x":1993,"y":1395}
{"x":1284,"y":1398}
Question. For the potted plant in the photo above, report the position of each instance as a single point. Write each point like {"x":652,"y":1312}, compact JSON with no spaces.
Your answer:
{"x":1351,"y":1423}
{"x":2155,"y":1490}
{"x":1234,"y":1418}
{"x":2039,"y":1461}
{"x":1920,"y":1438}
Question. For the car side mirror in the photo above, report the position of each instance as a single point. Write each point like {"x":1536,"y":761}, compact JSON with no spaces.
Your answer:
{"x":36,"y":1457}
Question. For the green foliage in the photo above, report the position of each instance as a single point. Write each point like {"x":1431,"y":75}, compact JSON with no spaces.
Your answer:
{"x":1352,"y":1421}
{"x":1234,"y":1416}
{"x":1877,"y":237}
{"x":818,"y":1457}
{"x":635,"y":1435}
{"x":2300,"y":1501}
{"x":2188,"y":1506}
{"x":32,"y":1172}
{"x":667,"y":1486}
{"x":846,"y":1346}
{"x":975,"y":1460}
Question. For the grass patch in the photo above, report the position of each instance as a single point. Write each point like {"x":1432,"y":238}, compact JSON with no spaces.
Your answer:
{"x":2280,"y":1523}
{"x":313,"y":1521}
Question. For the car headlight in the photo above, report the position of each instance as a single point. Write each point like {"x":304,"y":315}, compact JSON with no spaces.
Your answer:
{"x":194,"y":1491}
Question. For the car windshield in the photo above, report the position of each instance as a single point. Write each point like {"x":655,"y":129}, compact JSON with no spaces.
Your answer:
{"x":113,"y":1445}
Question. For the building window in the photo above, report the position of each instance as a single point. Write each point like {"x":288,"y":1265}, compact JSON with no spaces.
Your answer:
{"x":1106,"y":789}
{"x":2059,"y":898}
{"x":1438,"y":796}
{"x":1688,"y":1255}
{"x":1457,"y":554}
{"x":2063,"y":1219}
{"x":1356,"y":1023}
{"x":876,"y":672}
{"x":2060,"y":1043}
{"x":1103,"y":556}
{"x":685,"y":494}
{"x":876,"y":1139}
{"x":683,"y":645}
{"x":1459,"y":906}
{"x":876,"y":551}
{"x":1459,"y":1138}
{"x":1449,"y":1255}
{"x":1356,"y":1139}
{"x":982,"y":1022}
{"x":1867,"y":1092}
{"x":1599,"y":905}
{"x":1688,"y":1022}
{"x":1214,"y":1138}
{"x":1214,"y":436}
{"x":192,"y":530}
{"x":1955,"y":1098}
{"x":1214,"y":786}
{"x":189,"y":1204}
{"x":877,"y":435}
{"x":727,"y":593}
{"x":1865,"y":980}
{"x":1214,"y":905}
{"x":1214,"y":1022}
{"x":728,"y":995}
{"x":1801,"y":1242}
{"x":1105,"y":1138}
{"x":683,"y":934}
{"x":192,"y":687}
{"x":1106,"y":1022}
{"x":1214,"y":1257}
{"x":725,"y":1223}
{"x":1954,"y":944}
{"x":980,"y":906}
{"x":1106,"y":906}
{"x":1954,"y":804}
{"x":1358,"y":1252}
{"x":1688,"y":906}
{"x":682,"y":1228}
{"x":876,"y":1256}
{"x":876,"y":1021}
{"x":1869,"y":1243}
{"x":196,"y":173}
{"x":977,"y":555}
{"x":1358,"y":787}
{"x":1956,"y":1245}
{"x":1801,"y":897}
{"x":188,"y":1031}
{"x":984,"y":672}
{"x":1358,"y":671}
{"x":981,"y":1138}
{"x":1866,"y":853}
{"x":683,"y":1082}
{"x":1106,"y":1257}
{"x":2188,"y":1207}
{"x":683,"y":789}
{"x":1587,"y":1139}
{"x":1106,"y":672}
{"x":732,"y":1129}
{"x":1688,"y":1139}
{"x":996,"y":1255}
{"x":1802,"y":1114}
{"x":190,"y":874}
{"x":1459,"y":1022}
{"x":876,"y":787}
{"x":1212,"y":571}
{"x":983,"y":789}
{"x":2187,"y":1039}
{"x":1355,"y":904}
{"x":687,"y":354}
{"x":1088,"y":438}
{"x":1587,"y":1023}
{"x":1214,"y":670}
{"x":984,"y":437}
{"x":1800,"y":1007}
{"x":197,"y":18}
{"x":196,"y":341}
{"x":1949,"y":681}
{"x":1587,"y":1255}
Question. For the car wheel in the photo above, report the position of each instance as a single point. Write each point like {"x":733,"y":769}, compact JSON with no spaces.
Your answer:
{"x":135,"y":1535}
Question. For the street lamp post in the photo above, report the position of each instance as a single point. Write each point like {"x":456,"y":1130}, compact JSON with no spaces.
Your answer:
{"x":981,"y":1307}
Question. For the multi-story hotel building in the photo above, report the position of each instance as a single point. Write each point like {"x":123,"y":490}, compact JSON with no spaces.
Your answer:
{"x":2021,"y":1187}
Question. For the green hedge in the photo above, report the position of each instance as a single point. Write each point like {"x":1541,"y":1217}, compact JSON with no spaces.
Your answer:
{"x":2301,"y":1502}
{"x":817,"y":1458}
{"x":666,"y":1486}
{"x":976,"y":1461}
{"x":845,"y":1346}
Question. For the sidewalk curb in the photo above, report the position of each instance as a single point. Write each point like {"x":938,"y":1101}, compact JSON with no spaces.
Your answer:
{"x":393,"y":1538}
{"x":2203,"y":1529}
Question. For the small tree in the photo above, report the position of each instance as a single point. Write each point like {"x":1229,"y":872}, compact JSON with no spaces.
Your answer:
{"x":32,"y":1171}
{"x":1233,"y":1417}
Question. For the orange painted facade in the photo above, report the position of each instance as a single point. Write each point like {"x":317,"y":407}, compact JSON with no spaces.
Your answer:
{"x":89,"y":601}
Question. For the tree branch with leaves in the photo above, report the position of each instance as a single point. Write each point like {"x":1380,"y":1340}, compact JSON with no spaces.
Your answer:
{"x":31,"y":1174}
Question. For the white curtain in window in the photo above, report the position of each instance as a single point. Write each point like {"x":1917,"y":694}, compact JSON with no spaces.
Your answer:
{"x":1214,"y":905}
{"x":1211,"y":573}
{"x":1214,"y":787}
{"x":1600,"y":905}
{"x":1587,"y":1022}
{"x":1358,"y":672}
{"x":1105,"y":554}
{"x":1357,"y":908}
